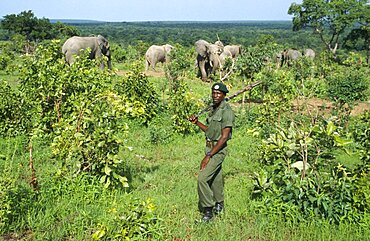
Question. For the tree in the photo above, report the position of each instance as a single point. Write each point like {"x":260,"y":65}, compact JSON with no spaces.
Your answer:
{"x":26,"y":29}
{"x":359,"y":38}
{"x":26,"y":24}
{"x":330,"y":19}
{"x":66,"y":30}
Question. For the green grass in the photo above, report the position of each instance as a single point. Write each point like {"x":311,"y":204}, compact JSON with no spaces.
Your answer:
{"x":70,"y":208}
{"x":168,"y":175}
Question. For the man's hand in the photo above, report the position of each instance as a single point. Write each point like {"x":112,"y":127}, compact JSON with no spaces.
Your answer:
{"x":204,"y":162}
{"x":193,"y":119}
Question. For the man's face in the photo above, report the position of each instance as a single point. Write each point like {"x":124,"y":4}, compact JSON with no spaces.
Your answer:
{"x":217,"y":96}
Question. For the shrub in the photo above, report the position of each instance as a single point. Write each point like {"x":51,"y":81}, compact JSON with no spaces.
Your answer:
{"x":130,"y":219}
{"x":347,"y":85}
{"x":304,"y":180}
{"x":361,"y":134}
{"x":89,"y":140}
{"x":161,"y":129}
{"x":13,"y":120}
{"x":277,"y":91}
{"x":181,"y":103}
{"x":255,"y":58}
{"x":6,"y":55}
{"x":138,"y":89}
{"x":77,"y":106}
{"x":16,"y":199}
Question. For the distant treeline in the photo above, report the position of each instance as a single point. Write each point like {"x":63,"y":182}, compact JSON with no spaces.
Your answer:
{"x":186,"y":33}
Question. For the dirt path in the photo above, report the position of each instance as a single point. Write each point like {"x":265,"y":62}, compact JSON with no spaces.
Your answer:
{"x":150,"y":73}
{"x":320,"y":106}
{"x":325,"y":106}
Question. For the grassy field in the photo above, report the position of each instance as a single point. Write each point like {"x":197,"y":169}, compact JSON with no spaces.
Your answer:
{"x":167,"y":175}
{"x":73,"y":208}
{"x":170,"y":176}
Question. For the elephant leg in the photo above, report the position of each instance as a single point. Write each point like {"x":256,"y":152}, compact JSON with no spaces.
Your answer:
{"x":147,"y":65}
{"x":202,"y":67}
{"x":109,"y":63}
{"x":154,"y":63}
{"x":203,"y":70}
{"x":208,"y":69}
{"x":69,"y":58}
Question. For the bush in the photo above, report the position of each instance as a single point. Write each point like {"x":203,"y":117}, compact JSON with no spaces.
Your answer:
{"x":347,"y":85}
{"x":89,"y":140}
{"x":6,"y":55}
{"x":78,"y":108}
{"x":161,"y":129}
{"x":13,"y":119}
{"x":303,"y":178}
{"x":137,"y":88}
{"x":16,"y":199}
{"x":130,"y":219}
{"x":361,"y":134}
{"x":181,"y":102}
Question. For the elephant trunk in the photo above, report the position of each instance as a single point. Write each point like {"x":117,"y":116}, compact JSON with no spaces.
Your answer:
{"x":109,"y":62}
{"x":214,"y":61}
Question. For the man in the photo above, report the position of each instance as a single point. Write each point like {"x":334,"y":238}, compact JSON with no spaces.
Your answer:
{"x":218,"y":130}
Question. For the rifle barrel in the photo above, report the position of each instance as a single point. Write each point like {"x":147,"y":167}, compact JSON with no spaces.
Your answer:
{"x":248,"y":87}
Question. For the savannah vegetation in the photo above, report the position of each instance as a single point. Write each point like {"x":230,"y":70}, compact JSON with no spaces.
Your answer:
{"x":91,"y":154}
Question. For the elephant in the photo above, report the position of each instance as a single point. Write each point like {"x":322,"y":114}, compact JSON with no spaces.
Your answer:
{"x":309,"y":53}
{"x":230,"y":51}
{"x":219,"y":43}
{"x":208,"y":57}
{"x":277,"y":58}
{"x":98,"y":46}
{"x":290,"y":55}
{"x":157,"y":54}
{"x":224,"y":55}
{"x":235,"y":50}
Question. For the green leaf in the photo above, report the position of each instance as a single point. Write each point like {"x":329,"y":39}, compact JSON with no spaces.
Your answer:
{"x":102,"y":179}
{"x":100,"y":144}
{"x":299,"y":165}
{"x":330,"y":128}
{"x":107,"y":170}
{"x":98,"y":234}
{"x":107,"y":183}
{"x":341,"y":142}
{"x":78,"y":135}
{"x":289,"y":153}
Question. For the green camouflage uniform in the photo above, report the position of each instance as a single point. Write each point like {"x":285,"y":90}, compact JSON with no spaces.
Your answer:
{"x":210,"y":181}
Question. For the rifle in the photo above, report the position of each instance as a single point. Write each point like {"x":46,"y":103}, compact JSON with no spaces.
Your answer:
{"x":248,"y":87}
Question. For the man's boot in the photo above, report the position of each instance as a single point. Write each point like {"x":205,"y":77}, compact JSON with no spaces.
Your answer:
{"x":219,"y":208}
{"x":207,"y":215}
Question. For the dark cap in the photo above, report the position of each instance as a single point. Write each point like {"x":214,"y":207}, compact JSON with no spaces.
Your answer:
{"x":220,"y":87}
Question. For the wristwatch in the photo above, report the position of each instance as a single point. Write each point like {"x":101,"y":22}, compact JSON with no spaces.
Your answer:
{"x":209,"y":154}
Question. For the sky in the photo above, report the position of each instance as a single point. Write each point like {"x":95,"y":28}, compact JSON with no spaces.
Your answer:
{"x":152,"y":10}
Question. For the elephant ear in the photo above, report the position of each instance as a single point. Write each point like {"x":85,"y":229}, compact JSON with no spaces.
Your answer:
{"x":220,"y":46}
{"x":219,"y":43}
{"x":201,"y":46}
{"x":103,"y":43}
{"x":102,"y":39}
{"x":168,"y":48}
